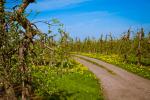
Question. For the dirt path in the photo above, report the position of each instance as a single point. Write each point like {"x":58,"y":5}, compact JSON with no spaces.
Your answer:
{"x":121,"y":86}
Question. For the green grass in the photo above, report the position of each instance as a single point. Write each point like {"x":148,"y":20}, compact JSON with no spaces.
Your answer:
{"x":75,"y":83}
{"x":108,"y":70}
{"x":143,"y":71}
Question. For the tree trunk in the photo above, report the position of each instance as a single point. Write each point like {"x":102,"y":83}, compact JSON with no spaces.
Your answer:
{"x":139,"y":48}
{"x":22,"y":65}
{"x":23,"y":52}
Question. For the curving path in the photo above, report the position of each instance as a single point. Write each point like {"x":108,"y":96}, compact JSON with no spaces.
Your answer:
{"x":122,"y":85}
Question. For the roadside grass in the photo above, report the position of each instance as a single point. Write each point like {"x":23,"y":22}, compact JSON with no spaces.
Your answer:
{"x":143,"y":71}
{"x":75,"y":83}
{"x":95,"y":63}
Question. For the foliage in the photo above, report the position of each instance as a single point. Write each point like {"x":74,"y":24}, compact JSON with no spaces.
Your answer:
{"x":23,"y":45}
{"x":136,"y":45}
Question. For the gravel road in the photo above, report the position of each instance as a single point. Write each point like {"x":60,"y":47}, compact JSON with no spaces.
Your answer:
{"x":122,"y":85}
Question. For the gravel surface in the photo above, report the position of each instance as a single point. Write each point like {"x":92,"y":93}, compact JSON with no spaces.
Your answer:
{"x":121,"y":86}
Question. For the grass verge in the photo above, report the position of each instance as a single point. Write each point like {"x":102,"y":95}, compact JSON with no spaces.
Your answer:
{"x":75,"y":83}
{"x":95,"y":63}
{"x":143,"y":71}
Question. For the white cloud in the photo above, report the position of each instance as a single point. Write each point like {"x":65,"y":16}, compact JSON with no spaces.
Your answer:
{"x":94,"y":23}
{"x":53,"y":4}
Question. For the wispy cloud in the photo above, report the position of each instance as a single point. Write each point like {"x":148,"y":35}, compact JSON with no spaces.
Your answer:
{"x":54,"y":4}
{"x":92,"y":23}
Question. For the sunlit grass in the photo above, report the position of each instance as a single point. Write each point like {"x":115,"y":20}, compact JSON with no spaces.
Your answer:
{"x":75,"y":83}
{"x":143,"y":71}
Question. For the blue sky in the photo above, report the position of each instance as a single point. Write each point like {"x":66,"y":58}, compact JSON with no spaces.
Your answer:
{"x":84,"y":18}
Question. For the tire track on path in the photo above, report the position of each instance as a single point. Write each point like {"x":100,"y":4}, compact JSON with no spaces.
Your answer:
{"x":122,"y":86}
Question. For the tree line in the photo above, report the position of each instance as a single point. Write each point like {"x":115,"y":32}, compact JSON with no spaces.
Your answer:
{"x":130,"y":44}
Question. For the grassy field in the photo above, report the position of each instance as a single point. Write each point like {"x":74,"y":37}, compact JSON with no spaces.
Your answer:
{"x":143,"y":71}
{"x":75,"y":83}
